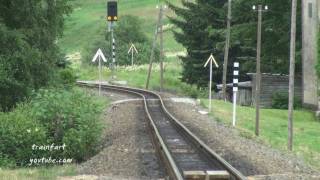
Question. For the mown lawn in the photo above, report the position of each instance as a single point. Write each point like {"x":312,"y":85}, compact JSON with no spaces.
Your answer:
{"x":274,"y":126}
{"x":40,"y":173}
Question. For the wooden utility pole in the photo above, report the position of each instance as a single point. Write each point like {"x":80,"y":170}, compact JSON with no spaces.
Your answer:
{"x":292,"y":71}
{"x":258,"y":70}
{"x":226,"y":53}
{"x":161,"y":49}
{"x":154,"y":45}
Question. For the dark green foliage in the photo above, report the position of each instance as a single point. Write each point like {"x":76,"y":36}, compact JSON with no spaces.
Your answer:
{"x":66,"y":77}
{"x":203,"y":24}
{"x":126,"y":31}
{"x":202,"y":33}
{"x":53,"y":116}
{"x":28,"y":52}
{"x":280,"y":101}
{"x":18,"y":131}
{"x":70,"y":117}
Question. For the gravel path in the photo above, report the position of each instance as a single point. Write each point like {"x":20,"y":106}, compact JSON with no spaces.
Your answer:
{"x":247,"y":155}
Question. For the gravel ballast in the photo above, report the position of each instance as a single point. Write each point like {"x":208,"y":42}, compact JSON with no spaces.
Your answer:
{"x":249,"y":156}
{"x":128,"y":152}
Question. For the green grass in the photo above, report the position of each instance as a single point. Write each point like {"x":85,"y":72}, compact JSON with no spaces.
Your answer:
{"x":48,"y":173}
{"x":273,"y":126}
{"x":137,"y":76}
{"x":87,"y":23}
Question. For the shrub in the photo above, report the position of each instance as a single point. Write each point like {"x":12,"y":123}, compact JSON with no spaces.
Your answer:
{"x":18,"y":132}
{"x":67,"y":76}
{"x":70,"y":117}
{"x":52,"y":116}
{"x":280,"y":101}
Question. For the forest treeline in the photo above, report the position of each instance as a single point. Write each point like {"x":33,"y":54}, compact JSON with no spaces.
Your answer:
{"x":29,"y":55}
{"x":202,"y":31}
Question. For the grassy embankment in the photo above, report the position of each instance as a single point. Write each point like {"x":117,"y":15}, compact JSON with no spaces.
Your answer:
{"x":273,"y":126}
{"x":50,"y":173}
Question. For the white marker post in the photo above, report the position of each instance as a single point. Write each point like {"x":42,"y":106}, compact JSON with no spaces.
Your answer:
{"x":211,"y":59}
{"x":133,"y":50}
{"x":98,"y":56}
{"x":235,"y":90}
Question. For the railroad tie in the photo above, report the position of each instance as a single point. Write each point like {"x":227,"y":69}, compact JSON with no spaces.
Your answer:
{"x":206,"y":175}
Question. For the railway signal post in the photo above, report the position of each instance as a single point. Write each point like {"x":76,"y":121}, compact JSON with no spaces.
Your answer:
{"x":210,"y":60}
{"x":133,"y":50}
{"x":98,"y":56}
{"x":235,"y":90}
{"x":112,"y":17}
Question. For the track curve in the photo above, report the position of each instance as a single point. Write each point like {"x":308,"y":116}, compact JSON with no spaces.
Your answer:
{"x":183,"y":154}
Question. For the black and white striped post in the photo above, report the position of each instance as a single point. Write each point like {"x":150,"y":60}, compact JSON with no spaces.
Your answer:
{"x":235,"y":89}
{"x":113,"y":51}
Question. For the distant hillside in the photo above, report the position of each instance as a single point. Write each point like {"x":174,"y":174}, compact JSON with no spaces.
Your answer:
{"x":87,"y":23}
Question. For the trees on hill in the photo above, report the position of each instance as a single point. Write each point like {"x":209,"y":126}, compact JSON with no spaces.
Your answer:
{"x":126,"y":31}
{"x":203,"y":24}
{"x":28,"y":51}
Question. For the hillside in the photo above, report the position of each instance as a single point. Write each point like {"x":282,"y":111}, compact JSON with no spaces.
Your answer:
{"x":87,"y":23}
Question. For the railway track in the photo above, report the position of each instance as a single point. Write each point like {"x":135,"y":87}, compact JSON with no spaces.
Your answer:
{"x":182,"y":153}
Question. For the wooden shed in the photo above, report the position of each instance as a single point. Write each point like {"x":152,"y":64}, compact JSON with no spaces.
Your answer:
{"x":270,"y":84}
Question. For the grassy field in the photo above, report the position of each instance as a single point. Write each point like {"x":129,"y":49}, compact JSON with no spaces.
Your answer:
{"x":136,"y":76}
{"x":51,"y":173}
{"x":273,"y":126}
{"x":87,"y":23}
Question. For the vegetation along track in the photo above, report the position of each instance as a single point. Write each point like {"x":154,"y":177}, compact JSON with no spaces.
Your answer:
{"x":183,"y":154}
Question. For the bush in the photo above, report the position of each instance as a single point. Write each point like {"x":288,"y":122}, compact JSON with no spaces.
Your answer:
{"x":67,"y":76}
{"x":280,"y":101}
{"x":18,"y":132}
{"x":52,"y":116}
{"x":70,"y":117}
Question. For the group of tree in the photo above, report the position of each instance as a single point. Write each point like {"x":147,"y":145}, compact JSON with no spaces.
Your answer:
{"x":29,"y":55}
{"x":202,"y":31}
{"x":128,"y":30}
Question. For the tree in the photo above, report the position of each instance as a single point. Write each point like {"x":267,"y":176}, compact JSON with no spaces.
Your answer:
{"x":202,"y":33}
{"x":28,"y":51}
{"x":202,"y":25}
{"x":126,"y":31}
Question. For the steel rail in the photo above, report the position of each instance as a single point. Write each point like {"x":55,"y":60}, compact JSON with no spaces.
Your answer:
{"x":162,"y":149}
{"x":171,"y":166}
